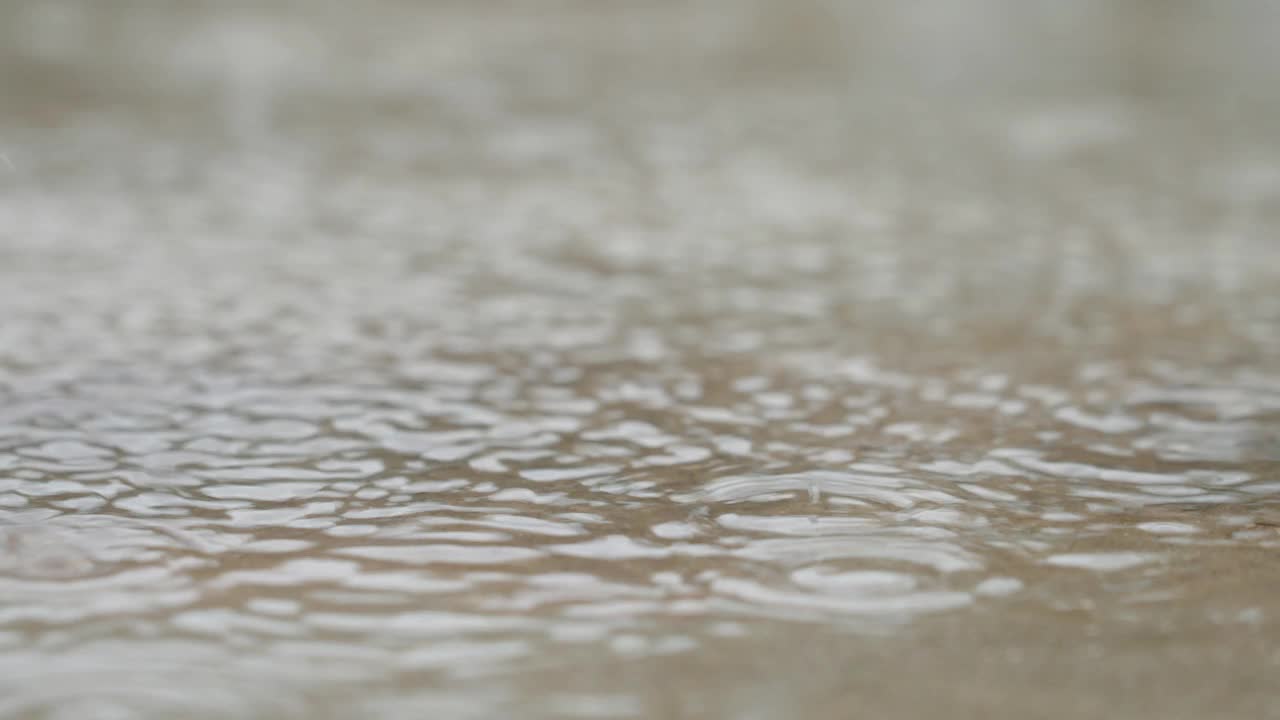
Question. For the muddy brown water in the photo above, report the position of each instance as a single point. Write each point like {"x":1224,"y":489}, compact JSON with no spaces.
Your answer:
{"x":590,"y":359}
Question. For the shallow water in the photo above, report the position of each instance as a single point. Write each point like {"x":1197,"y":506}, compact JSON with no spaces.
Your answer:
{"x":728,"y":360}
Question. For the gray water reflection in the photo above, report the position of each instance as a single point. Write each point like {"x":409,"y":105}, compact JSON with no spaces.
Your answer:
{"x":721,"y":360}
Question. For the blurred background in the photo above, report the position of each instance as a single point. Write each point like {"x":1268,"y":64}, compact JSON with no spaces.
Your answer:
{"x":1065,"y":152}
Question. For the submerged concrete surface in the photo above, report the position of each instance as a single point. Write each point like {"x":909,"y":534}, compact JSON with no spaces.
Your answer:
{"x":665,"y":360}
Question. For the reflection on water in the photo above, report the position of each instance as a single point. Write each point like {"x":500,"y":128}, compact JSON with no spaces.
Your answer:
{"x":610,"y":361}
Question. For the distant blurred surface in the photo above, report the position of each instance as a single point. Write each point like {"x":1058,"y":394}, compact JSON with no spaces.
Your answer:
{"x":667,"y":360}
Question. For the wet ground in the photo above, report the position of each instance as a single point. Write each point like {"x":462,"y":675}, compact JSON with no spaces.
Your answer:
{"x":584,"y":359}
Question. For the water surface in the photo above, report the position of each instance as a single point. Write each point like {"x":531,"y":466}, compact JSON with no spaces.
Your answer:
{"x":725,"y":360}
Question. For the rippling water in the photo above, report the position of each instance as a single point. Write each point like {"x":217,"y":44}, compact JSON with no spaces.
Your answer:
{"x":654,"y":360}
